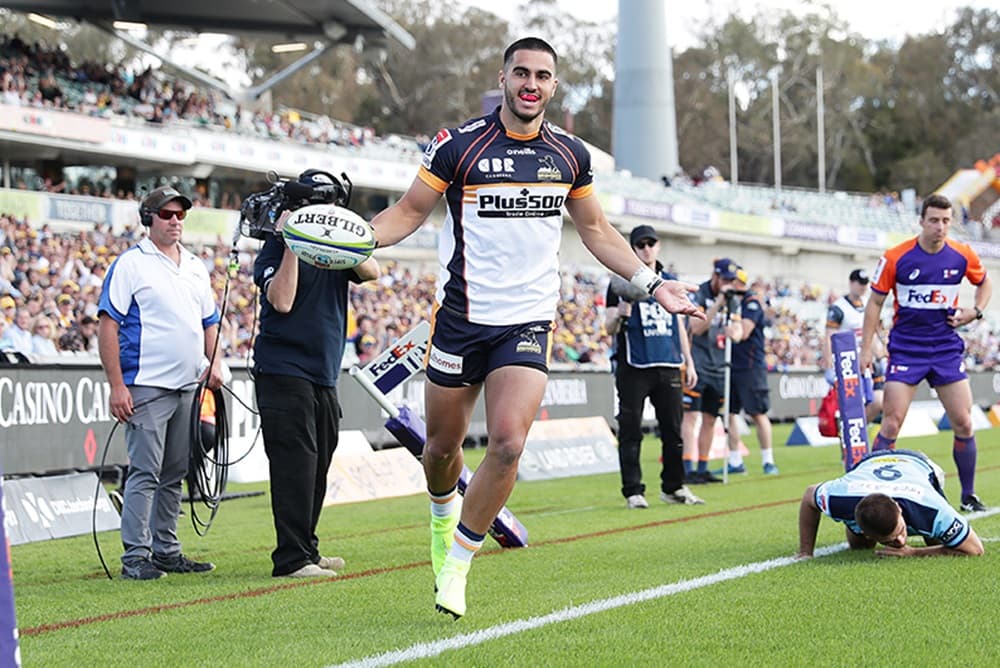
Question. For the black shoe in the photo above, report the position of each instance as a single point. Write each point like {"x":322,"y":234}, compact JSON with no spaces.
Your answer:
{"x":971,"y":503}
{"x":178,"y":563}
{"x":706,"y":477}
{"x":141,"y":569}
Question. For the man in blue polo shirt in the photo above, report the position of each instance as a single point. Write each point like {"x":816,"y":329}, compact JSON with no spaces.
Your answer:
{"x":158,"y":319}
{"x":886,"y":497}
{"x":297,"y":358}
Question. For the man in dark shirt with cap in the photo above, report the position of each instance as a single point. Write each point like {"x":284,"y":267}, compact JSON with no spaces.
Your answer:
{"x":708,"y":348}
{"x":297,"y":358}
{"x":651,"y":348}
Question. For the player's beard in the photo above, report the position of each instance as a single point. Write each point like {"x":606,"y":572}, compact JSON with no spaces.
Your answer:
{"x":512,"y":100}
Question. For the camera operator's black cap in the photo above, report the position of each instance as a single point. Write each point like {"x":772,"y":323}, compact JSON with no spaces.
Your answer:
{"x":156,"y":198}
{"x":641,"y":232}
{"x":725,"y":268}
{"x":859,"y":276}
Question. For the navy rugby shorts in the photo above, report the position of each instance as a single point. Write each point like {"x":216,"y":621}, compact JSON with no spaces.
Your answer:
{"x":463,"y":353}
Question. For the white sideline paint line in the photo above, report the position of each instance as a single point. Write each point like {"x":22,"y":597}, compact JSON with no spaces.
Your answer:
{"x":432,"y":649}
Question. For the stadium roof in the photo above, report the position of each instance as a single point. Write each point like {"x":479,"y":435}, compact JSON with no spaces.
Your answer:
{"x":323,"y":22}
{"x":336,"y":20}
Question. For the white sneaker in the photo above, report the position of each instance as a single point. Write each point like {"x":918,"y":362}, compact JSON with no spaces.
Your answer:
{"x":636,"y":501}
{"x":310,"y":571}
{"x":681,"y":495}
{"x":331,"y":563}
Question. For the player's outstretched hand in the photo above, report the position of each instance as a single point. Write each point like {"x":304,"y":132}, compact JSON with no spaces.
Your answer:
{"x":673,"y":296}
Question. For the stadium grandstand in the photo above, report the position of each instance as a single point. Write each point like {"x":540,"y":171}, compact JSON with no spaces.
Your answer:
{"x":81,"y":139}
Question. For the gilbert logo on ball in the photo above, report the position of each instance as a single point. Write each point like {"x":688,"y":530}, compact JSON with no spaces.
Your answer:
{"x":328,"y":236}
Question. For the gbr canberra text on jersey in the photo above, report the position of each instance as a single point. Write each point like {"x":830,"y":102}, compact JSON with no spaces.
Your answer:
{"x":505,"y":192}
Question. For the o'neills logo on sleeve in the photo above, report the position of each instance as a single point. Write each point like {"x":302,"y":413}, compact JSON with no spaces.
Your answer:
{"x":445,"y":362}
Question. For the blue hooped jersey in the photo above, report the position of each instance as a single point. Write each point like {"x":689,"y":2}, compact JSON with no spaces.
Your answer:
{"x":498,"y":249}
{"x":650,"y":336}
{"x":907,"y":478}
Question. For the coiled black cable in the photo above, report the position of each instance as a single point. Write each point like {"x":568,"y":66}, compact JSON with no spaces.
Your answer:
{"x":208,"y":463}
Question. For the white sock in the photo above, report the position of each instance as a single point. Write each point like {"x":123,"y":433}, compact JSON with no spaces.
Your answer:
{"x":443,"y":505}
{"x":767,"y":456}
{"x":464,"y":547}
{"x":735,"y":458}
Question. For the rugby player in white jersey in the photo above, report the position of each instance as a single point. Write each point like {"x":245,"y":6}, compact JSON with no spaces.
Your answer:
{"x":505,"y":177}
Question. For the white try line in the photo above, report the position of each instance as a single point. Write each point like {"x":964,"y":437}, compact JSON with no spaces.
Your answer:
{"x":432,"y":649}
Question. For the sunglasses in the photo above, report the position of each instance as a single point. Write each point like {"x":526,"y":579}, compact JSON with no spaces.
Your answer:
{"x":166,"y":214}
{"x":646,"y":243}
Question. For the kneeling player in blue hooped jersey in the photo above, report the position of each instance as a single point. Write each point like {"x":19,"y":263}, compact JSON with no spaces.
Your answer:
{"x":888,"y":496}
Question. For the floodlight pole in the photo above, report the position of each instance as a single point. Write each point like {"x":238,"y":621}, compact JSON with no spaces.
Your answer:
{"x":775,"y":113}
{"x":734,"y":173}
{"x":820,"y":131}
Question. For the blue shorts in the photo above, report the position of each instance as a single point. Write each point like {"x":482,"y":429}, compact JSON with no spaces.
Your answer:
{"x":708,"y":395}
{"x":749,"y":391}
{"x":464,"y":353}
{"x":938,"y":370}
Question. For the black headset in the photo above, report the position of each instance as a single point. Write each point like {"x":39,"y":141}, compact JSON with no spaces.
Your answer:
{"x":146,"y":216}
{"x":304,"y":191}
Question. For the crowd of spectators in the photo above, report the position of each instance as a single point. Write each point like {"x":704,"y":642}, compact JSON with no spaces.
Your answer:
{"x":50,"y":284}
{"x":41,"y":76}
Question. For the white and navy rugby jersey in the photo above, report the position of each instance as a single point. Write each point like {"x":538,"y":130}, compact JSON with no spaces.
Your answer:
{"x":906,"y":477}
{"x":162,"y":310}
{"x":498,"y":249}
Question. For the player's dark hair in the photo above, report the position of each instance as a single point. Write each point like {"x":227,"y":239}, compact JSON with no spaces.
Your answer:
{"x":934,"y":202}
{"x":877,"y":515}
{"x":529,"y":44}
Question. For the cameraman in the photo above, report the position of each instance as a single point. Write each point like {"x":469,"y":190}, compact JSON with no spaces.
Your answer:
{"x":297,"y":358}
{"x":748,"y":389}
{"x":651,"y":347}
{"x":708,"y":348}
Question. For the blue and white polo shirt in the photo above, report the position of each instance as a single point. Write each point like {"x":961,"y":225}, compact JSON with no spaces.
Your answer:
{"x":162,"y":310}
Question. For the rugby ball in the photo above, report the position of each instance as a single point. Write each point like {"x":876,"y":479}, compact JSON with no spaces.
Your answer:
{"x":328,"y":236}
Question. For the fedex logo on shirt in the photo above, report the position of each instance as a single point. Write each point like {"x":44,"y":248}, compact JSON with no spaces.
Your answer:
{"x":928,"y":297}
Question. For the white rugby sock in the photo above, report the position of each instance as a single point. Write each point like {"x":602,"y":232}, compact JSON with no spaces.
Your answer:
{"x":443,"y":505}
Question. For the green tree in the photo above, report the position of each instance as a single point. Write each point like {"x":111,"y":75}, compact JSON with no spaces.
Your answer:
{"x":442,"y":81}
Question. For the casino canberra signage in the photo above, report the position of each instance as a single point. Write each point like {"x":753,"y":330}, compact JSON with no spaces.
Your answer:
{"x":802,"y":386}
{"x":55,"y":417}
{"x":29,"y":403}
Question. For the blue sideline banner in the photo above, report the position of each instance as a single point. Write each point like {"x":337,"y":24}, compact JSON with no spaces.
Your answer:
{"x":850,"y":397}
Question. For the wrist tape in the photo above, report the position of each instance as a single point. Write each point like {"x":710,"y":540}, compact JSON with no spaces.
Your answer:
{"x":646,"y":280}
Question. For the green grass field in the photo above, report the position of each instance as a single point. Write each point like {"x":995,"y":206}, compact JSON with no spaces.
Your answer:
{"x":564,"y":601}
